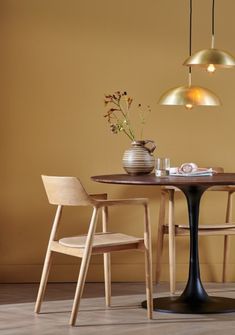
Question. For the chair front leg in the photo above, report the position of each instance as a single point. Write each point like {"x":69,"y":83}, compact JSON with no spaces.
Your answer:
{"x":171,"y":242}
{"x":107,"y":261}
{"x":160,"y":235}
{"x":84,"y":268}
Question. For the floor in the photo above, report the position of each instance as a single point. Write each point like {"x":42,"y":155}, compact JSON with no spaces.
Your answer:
{"x":125,"y":317}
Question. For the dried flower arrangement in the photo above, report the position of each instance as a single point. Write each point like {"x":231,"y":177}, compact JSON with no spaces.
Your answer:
{"x":118,"y":115}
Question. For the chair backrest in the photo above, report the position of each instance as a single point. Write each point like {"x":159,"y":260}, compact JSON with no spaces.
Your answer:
{"x":218,"y":169}
{"x":65,"y":191}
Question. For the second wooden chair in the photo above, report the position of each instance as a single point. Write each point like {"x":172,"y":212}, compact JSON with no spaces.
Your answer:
{"x":167,"y":226}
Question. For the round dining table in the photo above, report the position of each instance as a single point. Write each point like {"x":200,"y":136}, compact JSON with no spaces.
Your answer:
{"x":194,"y":299}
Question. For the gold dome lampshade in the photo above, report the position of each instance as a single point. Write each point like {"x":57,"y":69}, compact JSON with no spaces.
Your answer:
{"x":211,"y":58}
{"x":189,"y":96}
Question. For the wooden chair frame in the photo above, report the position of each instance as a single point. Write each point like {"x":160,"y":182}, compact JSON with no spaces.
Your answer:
{"x":68,"y":191}
{"x":173,"y":230}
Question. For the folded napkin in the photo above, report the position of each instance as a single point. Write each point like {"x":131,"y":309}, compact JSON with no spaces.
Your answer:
{"x":190,"y":169}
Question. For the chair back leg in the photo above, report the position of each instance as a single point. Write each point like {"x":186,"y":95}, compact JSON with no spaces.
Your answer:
{"x":148,"y":265}
{"x":228,"y":219}
{"x":43,"y":282}
{"x":47,"y":262}
{"x":225,"y":258}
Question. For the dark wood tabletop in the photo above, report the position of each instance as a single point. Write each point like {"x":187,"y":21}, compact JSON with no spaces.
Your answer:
{"x":151,"y":179}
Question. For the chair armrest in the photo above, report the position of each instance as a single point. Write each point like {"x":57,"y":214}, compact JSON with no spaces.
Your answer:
{"x":169,"y":188}
{"x":118,"y":202}
{"x":101,"y":196}
{"x":225,"y":188}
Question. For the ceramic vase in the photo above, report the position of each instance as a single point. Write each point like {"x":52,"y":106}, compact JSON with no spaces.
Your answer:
{"x":139,"y":158}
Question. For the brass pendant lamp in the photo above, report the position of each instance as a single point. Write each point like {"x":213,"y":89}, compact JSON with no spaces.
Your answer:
{"x":189,"y":95}
{"x":211,"y":58}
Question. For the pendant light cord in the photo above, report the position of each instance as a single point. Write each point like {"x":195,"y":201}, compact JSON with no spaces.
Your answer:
{"x":190,"y":39}
{"x":190,"y":26}
{"x":213,"y":25}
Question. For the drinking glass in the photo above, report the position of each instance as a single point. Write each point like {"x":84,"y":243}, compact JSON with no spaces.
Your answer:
{"x":162,"y":167}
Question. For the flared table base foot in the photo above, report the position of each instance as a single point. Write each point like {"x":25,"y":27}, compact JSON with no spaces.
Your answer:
{"x":176,"y":305}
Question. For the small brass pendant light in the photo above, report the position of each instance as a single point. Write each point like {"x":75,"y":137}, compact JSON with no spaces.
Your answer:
{"x":189,"y":96}
{"x":212,"y":58}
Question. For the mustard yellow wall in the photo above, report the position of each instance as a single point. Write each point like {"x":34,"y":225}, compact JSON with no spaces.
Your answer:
{"x":57,"y":59}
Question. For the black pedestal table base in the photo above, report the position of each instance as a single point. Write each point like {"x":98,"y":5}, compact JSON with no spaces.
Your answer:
{"x":194,"y":299}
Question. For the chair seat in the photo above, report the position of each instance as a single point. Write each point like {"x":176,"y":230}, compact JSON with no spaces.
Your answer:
{"x":100,"y":240}
{"x":204,"y":229}
{"x":209,"y":226}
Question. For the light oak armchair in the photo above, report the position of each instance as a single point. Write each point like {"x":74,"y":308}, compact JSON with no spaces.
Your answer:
{"x":68,"y":191}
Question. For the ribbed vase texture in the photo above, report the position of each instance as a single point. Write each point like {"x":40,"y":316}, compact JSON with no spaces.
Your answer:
{"x":138,"y":159}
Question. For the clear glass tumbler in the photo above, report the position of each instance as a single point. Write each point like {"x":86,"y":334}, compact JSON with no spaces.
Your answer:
{"x":162,"y":167}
